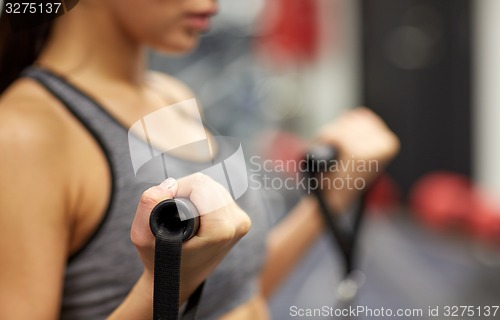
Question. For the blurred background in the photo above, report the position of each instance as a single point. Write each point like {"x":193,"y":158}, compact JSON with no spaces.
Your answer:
{"x":272,"y":72}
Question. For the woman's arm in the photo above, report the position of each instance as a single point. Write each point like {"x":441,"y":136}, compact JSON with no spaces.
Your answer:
{"x":37,"y":194}
{"x":139,"y":302}
{"x":34,"y":225}
{"x":288,"y":242}
{"x":360,"y":134}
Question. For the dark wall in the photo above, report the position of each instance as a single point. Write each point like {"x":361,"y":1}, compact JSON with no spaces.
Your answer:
{"x":416,"y":74}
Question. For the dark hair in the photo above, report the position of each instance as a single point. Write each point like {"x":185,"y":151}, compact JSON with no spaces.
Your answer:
{"x":19,"y":49}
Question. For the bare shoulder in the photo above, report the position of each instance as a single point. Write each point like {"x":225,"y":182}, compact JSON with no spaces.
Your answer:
{"x":30,"y":122}
{"x":34,"y":144}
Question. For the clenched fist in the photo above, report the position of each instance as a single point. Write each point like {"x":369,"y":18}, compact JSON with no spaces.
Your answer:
{"x":222,"y":224}
{"x":365,"y":144}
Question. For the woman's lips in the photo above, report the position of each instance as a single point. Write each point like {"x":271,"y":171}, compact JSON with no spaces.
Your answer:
{"x":199,"y":21}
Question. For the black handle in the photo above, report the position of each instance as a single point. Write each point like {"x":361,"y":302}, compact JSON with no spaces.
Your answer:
{"x":175,"y":214}
{"x":319,"y":158}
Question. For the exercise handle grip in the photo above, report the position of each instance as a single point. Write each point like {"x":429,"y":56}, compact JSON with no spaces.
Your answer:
{"x":319,"y":158}
{"x":172,"y":215}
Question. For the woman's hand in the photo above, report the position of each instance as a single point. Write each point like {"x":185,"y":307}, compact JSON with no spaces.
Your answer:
{"x":365,"y":144}
{"x":222,"y":224}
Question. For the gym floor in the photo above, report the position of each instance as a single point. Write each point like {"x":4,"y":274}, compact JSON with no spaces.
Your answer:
{"x":406,"y":266}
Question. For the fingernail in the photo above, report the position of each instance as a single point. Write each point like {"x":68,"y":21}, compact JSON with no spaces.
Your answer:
{"x":167,"y":184}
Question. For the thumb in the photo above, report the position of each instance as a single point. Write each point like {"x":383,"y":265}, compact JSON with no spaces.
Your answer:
{"x":140,"y":233}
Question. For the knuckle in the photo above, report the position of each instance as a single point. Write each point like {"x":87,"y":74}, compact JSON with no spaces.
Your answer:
{"x":244,"y":225}
{"x":393,"y":144}
{"x":396,"y":141}
{"x":201,"y":178}
{"x":149,"y":197}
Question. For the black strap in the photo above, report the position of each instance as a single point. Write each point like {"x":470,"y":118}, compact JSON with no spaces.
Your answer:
{"x":191,"y":312}
{"x":168,"y":249}
{"x":344,"y":238}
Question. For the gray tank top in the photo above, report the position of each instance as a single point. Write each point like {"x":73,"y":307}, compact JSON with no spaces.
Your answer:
{"x":101,"y":274}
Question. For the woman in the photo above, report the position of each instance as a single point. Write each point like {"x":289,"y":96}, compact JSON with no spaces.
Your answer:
{"x":68,"y":196}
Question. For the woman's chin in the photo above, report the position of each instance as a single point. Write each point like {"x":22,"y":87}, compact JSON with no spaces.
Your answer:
{"x":180,"y":47}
